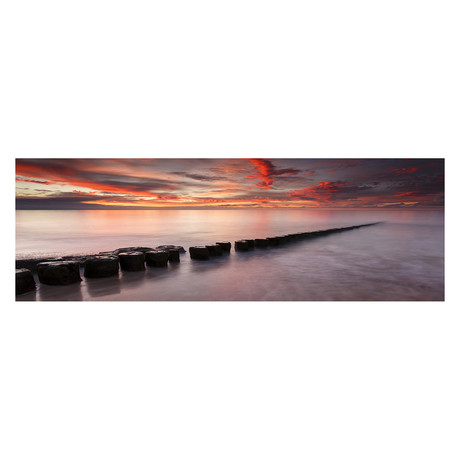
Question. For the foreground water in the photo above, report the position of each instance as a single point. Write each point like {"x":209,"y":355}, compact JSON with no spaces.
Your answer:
{"x":399,"y":259}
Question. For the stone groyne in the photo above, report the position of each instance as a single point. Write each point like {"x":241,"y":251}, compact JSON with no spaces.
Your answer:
{"x":66,"y":270}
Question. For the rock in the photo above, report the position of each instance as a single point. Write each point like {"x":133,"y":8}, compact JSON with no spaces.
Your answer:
{"x":167,"y":247}
{"x":59,"y":272}
{"x":174,"y":255}
{"x":214,"y":250}
{"x":132,"y":261}
{"x":261,"y":243}
{"x":132,"y":249}
{"x":24,"y":281}
{"x":157,"y":258}
{"x":101,"y":266}
{"x":199,"y":252}
{"x":241,"y":245}
{"x":251,"y":244}
{"x":225,"y":246}
{"x":273,"y":241}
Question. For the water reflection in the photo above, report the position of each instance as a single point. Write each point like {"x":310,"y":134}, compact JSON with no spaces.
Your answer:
{"x":130,"y":280}
{"x":213,"y":263}
{"x":71,"y":232}
{"x":69,"y":292}
{"x":27,"y":296}
{"x":99,"y":287}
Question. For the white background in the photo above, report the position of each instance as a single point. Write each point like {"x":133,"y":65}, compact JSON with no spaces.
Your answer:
{"x":229,"y":380}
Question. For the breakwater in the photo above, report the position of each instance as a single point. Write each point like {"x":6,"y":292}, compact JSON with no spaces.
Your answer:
{"x":67,"y":270}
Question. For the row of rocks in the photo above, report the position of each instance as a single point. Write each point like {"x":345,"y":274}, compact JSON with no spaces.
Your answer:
{"x":32,"y":264}
{"x":66,"y":270}
{"x":204,"y":252}
{"x":248,"y":244}
{"x":62,"y":272}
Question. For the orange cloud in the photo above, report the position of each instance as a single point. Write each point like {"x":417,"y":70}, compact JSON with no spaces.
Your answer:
{"x":400,"y":171}
{"x":323,"y":191}
{"x":266,"y":172}
{"x":415,"y":192}
{"x":35,"y":181}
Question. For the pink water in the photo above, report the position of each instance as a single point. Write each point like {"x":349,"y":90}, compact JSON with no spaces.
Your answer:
{"x":400,"y":259}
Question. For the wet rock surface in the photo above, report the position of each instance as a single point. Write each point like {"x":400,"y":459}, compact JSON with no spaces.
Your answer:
{"x":214,"y":250}
{"x":59,"y":272}
{"x":130,"y":249}
{"x":241,"y":245}
{"x":226,"y":246}
{"x":169,"y":247}
{"x":261,"y":242}
{"x":174,"y":255}
{"x":251,"y":244}
{"x":199,"y":252}
{"x":24,"y":281}
{"x":157,"y":258}
{"x":132,"y":261}
{"x":101,"y":266}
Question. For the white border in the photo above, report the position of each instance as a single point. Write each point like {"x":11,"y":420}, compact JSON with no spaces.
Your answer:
{"x":230,"y":380}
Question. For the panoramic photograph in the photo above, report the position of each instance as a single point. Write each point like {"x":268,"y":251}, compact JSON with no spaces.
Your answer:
{"x":216,"y":229}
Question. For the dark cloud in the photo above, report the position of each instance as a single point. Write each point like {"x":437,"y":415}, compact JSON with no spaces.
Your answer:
{"x":220,"y":182}
{"x":199,"y":177}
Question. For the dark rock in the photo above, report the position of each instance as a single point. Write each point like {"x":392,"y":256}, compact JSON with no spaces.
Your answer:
{"x":167,"y":247}
{"x":157,"y":258}
{"x":30,"y":264}
{"x":101,"y":266}
{"x":132,"y":261}
{"x":24,"y":281}
{"x":132,"y":249}
{"x":241,"y":245}
{"x":174,"y":255}
{"x":273,"y":241}
{"x":251,"y":244}
{"x":214,"y":250}
{"x":59,"y":272}
{"x":261,"y":243}
{"x":225,"y":246}
{"x":199,"y":252}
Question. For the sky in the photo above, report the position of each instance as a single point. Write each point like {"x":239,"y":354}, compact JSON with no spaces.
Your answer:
{"x":104,"y":183}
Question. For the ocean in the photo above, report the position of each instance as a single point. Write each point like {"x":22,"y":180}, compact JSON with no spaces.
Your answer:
{"x":400,"y":259}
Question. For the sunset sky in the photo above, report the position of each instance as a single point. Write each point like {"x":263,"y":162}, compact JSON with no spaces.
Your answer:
{"x":227,"y":183}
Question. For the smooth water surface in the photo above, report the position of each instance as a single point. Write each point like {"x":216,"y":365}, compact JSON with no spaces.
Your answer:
{"x":399,"y":259}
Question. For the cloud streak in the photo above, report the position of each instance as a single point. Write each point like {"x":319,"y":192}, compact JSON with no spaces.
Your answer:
{"x":190,"y":183}
{"x":266,"y":172}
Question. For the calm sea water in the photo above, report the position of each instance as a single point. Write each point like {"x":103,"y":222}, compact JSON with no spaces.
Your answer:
{"x":400,"y":259}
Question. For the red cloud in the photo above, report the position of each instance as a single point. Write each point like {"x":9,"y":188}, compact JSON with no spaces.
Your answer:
{"x":399,"y":171}
{"x":323,"y":191}
{"x":266,"y":170}
{"x":43,"y":182}
{"x":84,"y":174}
{"x":415,"y":192}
